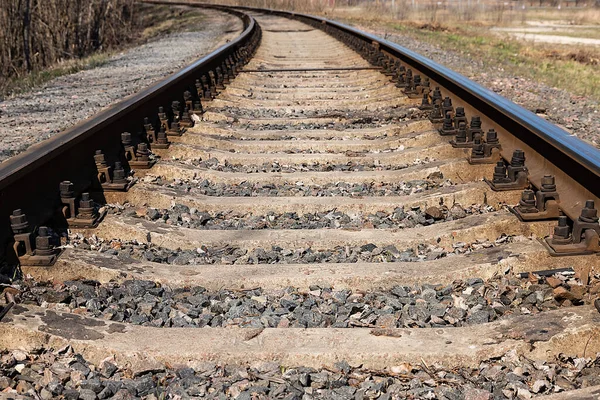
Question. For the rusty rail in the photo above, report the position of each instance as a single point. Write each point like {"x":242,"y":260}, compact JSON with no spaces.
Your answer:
{"x":529,"y":152}
{"x":531,"y":147}
{"x":30,"y":180}
{"x":549,"y":149}
{"x":559,"y":173}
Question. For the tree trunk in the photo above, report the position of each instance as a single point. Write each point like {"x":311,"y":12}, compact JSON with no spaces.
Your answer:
{"x":26,"y":34}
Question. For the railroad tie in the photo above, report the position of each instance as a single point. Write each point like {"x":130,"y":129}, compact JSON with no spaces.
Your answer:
{"x":312,"y":212}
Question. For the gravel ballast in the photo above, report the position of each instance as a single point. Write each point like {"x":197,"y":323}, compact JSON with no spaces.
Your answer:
{"x":462,"y":303}
{"x":399,"y":218}
{"x":63,"y":373}
{"x":61,"y":103}
{"x":270,"y":167}
{"x":299,"y":188}
{"x":231,"y":254}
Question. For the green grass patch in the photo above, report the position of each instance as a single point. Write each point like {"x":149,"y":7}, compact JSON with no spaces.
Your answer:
{"x":538,"y":62}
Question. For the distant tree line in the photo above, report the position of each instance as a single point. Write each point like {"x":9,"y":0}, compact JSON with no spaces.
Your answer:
{"x":541,"y":3}
{"x":38,"y":33}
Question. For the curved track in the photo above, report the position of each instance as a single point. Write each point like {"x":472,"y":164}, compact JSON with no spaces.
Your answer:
{"x":314,"y":193}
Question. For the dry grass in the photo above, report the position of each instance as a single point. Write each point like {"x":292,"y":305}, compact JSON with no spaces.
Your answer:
{"x":456,"y":12}
{"x":16,"y":85}
{"x":152,"y":21}
{"x":572,"y":68}
{"x":162,"y":20}
{"x":466,"y":29}
{"x":571,"y":16}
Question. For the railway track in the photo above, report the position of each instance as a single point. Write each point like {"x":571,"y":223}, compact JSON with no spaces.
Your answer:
{"x":312,"y":235}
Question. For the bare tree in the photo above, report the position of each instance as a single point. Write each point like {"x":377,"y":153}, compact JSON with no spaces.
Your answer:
{"x":37,"y":33}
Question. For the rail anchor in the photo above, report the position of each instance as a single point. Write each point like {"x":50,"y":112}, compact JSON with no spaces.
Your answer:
{"x":137,"y":156}
{"x":43,"y":253}
{"x":157,"y":140}
{"x":465,"y":138}
{"x":584,"y":238}
{"x":512,"y":176}
{"x":115,"y":182}
{"x":541,"y":205}
{"x":487,"y":152}
{"x":79,"y":215}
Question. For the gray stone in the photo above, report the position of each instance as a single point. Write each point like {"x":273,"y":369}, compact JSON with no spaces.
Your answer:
{"x":183,"y":259}
{"x":6,"y":382}
{"x":87,"y":394}
{"x":45,"y":394}
{"x":457,"y":211}
{"x":77,"y":366}
{"x":479,"y":317}
{"x":71,"y":394}
{"x":367,"y":248}
{"x":399,"y":291}
{"x":152,"y":213}
{"x":429,"y":294}
{"x":92,"y":384}
{"x":144,"y":386}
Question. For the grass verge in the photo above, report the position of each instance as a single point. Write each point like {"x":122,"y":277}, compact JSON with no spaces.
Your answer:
{"x":24,"y":83}
{"x":155,"y":21}
{"x":572,"y":68}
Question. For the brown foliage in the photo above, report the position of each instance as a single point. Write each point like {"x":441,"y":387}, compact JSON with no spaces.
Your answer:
{"x":582,"y":56}
{"x":37,"y":33}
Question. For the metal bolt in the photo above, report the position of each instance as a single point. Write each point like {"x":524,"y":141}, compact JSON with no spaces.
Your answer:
{"x":142,"y":152}
{"x":66,"y":190}
{"x":18,"y":222}
{"x":99,"y":159}
{"x":85,"y":201}
{"x":491,"y":137}
{"x":86,"y":206}
{"x":461,"y":135}
{"x":447,"y":126}
{"x":42,"y":242}
{"x":518,"y":158}
{"x":499,"y":172}
{"x":589,"y":212}
{"x":437,"y":94}
{"x":161,"y":137}
{"x":475,"y":122}
{"x":126,"y":138}
{"x":477,"y":150}
{"x":527,"y":199}
{"x":119,"y":173}
{"x":562,"y":229}
{"x":548,"y":184}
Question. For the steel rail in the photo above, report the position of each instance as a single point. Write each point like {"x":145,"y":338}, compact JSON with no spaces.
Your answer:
{"x":30,"y":180}
{"x":575,"y":163}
